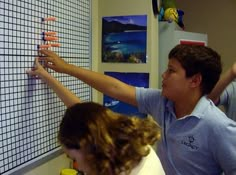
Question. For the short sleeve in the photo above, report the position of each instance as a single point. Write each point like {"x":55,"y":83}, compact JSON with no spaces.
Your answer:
{"x":150,"y":101}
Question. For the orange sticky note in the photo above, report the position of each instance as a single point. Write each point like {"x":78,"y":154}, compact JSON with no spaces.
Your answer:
{"x":55,"y":44}
{"x":50,"y":38}
{"x":51,"y":18}
{"x":51,"y":33}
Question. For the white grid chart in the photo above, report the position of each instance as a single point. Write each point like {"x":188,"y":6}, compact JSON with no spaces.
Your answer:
{"x":30,"y":112}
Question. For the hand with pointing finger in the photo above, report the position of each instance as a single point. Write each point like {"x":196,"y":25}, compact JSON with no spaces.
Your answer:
{"x":37,"y":70}
{"x":53,"y":61}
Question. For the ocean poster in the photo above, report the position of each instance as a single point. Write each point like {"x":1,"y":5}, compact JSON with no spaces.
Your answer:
{"x":124,"y":39}
{"x":134,"y":79}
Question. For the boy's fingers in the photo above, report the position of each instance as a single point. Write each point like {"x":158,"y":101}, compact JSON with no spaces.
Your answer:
{"x":36,"y":63}
{"x":46,"y":59}
{"x":47,"y":52}
{"x":43,"y":51}
{"x":48,"y":65}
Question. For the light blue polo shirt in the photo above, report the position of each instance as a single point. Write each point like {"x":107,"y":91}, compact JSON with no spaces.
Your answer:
{"x":228,"y":100}
{"x":203,"y":143}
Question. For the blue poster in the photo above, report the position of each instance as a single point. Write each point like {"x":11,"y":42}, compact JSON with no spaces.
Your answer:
{"x":124,"y":39}
{"x":134,"y":79}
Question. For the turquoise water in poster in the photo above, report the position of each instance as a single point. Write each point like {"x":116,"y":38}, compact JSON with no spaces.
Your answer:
{"x":125,"y":47}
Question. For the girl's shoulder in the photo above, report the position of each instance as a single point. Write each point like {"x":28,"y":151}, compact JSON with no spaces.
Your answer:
{"x":149,"y":164}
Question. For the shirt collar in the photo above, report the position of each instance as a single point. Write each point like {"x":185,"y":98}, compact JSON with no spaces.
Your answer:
{"x":199,"y":109}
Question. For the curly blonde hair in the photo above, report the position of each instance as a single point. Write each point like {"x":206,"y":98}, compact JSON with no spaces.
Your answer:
{"x":118,"y":142}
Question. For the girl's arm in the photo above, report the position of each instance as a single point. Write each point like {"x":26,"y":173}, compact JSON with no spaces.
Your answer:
{"x":67,"y":97}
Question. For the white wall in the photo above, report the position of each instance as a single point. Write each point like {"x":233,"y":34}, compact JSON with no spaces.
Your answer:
{"x":52,"y":167}
{"x":122,"y":8}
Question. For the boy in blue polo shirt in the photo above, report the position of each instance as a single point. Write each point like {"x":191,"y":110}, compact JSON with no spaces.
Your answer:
{"x":197,"y":138}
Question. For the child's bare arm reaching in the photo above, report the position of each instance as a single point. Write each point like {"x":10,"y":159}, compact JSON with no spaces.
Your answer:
{"x":67,"y":97}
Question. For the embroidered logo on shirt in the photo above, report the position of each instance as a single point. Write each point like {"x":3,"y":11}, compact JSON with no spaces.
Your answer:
{"x":190,"y":142}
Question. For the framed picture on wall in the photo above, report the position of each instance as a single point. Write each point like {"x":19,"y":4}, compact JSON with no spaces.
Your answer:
{"x":134,"y":79}
{"x":124,"y":39}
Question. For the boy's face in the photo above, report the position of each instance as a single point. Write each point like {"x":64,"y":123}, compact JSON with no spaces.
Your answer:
{"x":175,"y":85}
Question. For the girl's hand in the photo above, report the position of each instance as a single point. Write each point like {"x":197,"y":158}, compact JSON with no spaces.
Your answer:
{"x":37,"y":70}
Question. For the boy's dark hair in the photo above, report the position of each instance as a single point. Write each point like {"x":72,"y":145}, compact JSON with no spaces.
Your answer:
{"x":199,"y":59}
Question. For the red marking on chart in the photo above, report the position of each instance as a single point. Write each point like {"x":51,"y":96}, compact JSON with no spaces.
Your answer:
{"x":51,"y":33}
{"x":51,"y":18}
{"x":55,"y":44}
{"x":50,"y":38}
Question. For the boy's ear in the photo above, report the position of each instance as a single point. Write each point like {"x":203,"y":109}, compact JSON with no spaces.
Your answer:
{"x":196,"y":80}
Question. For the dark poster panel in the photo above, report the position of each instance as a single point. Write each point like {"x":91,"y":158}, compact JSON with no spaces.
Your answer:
{"x":134,"y":79}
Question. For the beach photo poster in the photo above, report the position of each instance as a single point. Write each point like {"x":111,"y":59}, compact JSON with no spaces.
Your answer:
{"x":134,"y":79}
{"x":124,"y":39}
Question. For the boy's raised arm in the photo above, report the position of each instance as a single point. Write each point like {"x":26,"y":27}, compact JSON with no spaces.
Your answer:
{"x":223,"y":82}
{"x":103,"y":83}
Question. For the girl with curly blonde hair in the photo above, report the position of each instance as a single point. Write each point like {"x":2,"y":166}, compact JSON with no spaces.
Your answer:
{"x":101,"y":141}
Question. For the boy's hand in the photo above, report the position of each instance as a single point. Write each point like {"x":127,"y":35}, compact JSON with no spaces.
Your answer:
{"x":53,"y":61}
{"x":234,"y":70}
